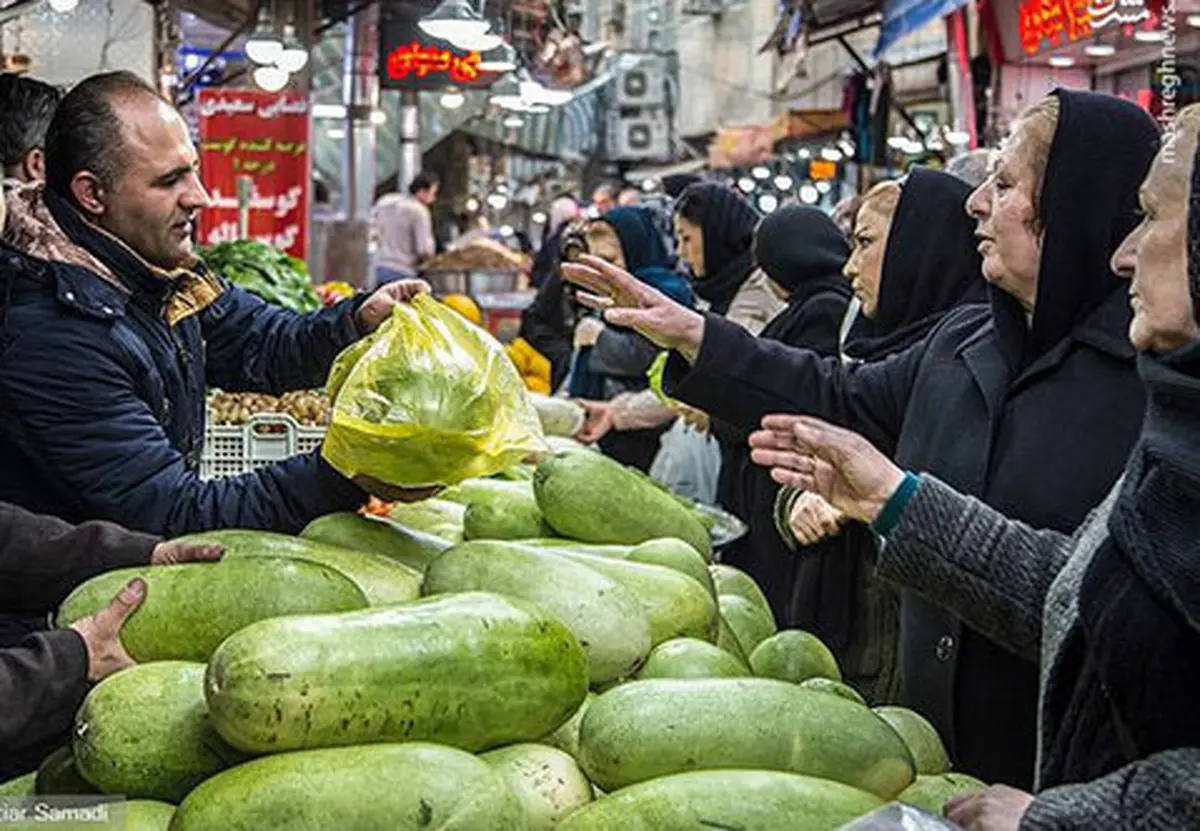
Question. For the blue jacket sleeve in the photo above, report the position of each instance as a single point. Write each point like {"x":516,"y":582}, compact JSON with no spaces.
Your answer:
{"x":739,"y":378}
{"x":86,"y":430}
{"x":254,"y":346}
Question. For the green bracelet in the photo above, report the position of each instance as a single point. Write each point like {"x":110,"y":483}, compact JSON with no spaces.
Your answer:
{"x":897,"y":502}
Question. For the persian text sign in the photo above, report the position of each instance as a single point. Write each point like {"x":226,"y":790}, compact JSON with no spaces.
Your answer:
{"x":421,"y":62}
{"x":264,"y":136}
{"x":1055,"y":22}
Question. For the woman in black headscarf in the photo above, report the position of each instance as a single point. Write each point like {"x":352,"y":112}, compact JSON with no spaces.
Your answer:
{"x":1112,"y":612}
{"x":714,"y":228}
{"x":928,"y":266}
{"x":1031,"y":403}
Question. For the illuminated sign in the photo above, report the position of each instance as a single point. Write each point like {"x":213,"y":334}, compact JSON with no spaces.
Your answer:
{"x":822,"y":169}
{"x":1056,"y":22}
{"x":421,"y":62}
{"x":1128,"y":12}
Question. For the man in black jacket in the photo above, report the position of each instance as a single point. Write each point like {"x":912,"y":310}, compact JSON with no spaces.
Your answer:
{"x":44,"y":679}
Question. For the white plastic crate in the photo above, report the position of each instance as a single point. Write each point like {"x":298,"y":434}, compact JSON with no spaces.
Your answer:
{"x":230,"y":450}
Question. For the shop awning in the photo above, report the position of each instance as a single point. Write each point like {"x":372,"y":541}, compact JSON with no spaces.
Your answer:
{"x":640,"y":174}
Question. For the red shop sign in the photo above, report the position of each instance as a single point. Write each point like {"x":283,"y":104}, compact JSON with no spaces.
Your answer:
{"x":262,"y":135}
{"x":1054,"y":21}
{"x":415,"y":60}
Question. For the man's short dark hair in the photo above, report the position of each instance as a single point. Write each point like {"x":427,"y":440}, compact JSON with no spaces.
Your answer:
{"x":26,"y":107}
{"x":422,"y":181}
{"x":85,"y":133}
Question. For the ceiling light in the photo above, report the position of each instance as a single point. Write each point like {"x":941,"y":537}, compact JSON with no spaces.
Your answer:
{"x":514,"y":122}
{"x":1100,"y":50}
{"x":760,"y":172}
{"x":958,"y":137}
{"x":768,"y":202}
{"x":452,"y":99}
{"x":809,"y":195}
{"x":264,"y":46}
{"x":63,"y":6}
{"x":454,"y":20}
{"x":913,"y":147}
{"x":506,"y":231}
{"x":746,"y":184}
{"x":538,"y":218}
{"x":1193,"y":20}
{"x":270,"y":78}
{"x":534,"y":94}
{"x":479,"y":43}
{"x":472,"y":204}
{"x":1061,"y":61}
{"x":823,"y":186}
{"x":294,"y":56}
{"x":498,"y":201}
{"x":649,"y":184}
{"x":805,"y":153}
{"x":1149,"y":36}
{"x":336,"y":133}
{"x":378,"y":117}
{"x":831,"y":154}
{"x":501,"y":59}
{"x":783,"y":182}
{"x":897,"y":142}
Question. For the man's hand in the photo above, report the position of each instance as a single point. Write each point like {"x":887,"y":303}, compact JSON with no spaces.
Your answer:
{"x":598,"y":423}
{"x":626,"y":301}
{"x":839,"y":465}
{"x":101,"y":632}
{"x":813,"y":519}
{"x":996,"y":808}
{"x":378,"y":306}
{"x":178,"y":551}
{"x":698,"y":420}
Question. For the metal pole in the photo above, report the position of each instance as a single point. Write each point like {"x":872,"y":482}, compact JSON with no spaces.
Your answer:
{"x":410,"y":139}
{"x":360,"y":94}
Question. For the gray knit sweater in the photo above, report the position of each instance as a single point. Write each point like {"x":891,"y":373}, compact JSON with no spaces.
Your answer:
{"x":1019,"y":587}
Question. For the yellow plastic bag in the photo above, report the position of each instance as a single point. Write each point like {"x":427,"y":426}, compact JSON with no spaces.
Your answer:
{"x":428,"y":400}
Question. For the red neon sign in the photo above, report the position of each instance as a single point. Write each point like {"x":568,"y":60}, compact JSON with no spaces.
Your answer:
{"x":1056,"y":21}
{"x":423,"y":61}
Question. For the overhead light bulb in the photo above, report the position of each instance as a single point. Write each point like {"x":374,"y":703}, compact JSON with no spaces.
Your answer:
{"x":498,"y":201}
{"x":472,"y":204}
{"x":378,"y":117}
{"x":649,"y":184}
{"x":454,"y":21}
{"x":809,"y":195}
{"x":783,"y":182}
{"x":913,"y":147}
{"x":479,"y":43}
{"x":270,"y":78}
{"x":514,"y":122}
{"x":746,"y":184}
{"x":63,"y":6}
{"x":538,"y":218}
{"x":805,"y":153}
{"x":847,"y":148}
{"x":264,"y":46}
{"x":1061,"y":61}
{"x":768,"y":202}
{"x":823,"y":187}
{"x":452,"y":99}
{"x":958,"y":137}
{"x":506,"y":231}
{"x":760,"y":172}
{"x":831,"y":154}
{"x":294,"y":56}
{"x":1193,"y":20}
{"x":501,"y":59}
{"x":1100,"y":50}
{"x":897,"y":142}
{"x":336,"y":133}
{"x":534,"y":94}
{"x":1149,"y":36}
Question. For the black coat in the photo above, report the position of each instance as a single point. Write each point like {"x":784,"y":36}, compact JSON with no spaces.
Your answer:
{"x":1045,"y":448}
{"x":43,"y":680}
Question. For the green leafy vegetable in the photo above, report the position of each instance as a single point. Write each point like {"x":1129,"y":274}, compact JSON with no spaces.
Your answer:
{"x":266,"y":271}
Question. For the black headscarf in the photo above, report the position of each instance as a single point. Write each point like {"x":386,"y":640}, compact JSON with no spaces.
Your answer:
{"x":1132,"y":659}
{"x":930,"y":266}
{"x":801,"y":249}
{"x":1101,"y":151}
{"x":727,"y":222}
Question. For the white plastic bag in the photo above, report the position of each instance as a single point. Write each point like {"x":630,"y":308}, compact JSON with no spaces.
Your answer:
{"x":688,"y":462}
{"x":896,"y":816}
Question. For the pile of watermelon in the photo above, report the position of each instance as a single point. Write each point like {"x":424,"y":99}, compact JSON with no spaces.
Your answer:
{"x":549,"y":651}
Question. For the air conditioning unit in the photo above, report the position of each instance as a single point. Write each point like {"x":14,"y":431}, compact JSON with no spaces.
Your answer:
{"x":646,"y":136}
{"x":703,"y":7}
{"x":643,"y":84}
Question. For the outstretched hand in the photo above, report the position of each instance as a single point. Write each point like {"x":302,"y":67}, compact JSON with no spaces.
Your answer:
{"x":837,"y":464}
{"x":626,"y":301}
{"x":101,"y":632}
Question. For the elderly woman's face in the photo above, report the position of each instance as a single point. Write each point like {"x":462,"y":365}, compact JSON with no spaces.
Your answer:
{"x":1154,"y":255}
{"x":1007,"y":223}
{"x":864,"y":268}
